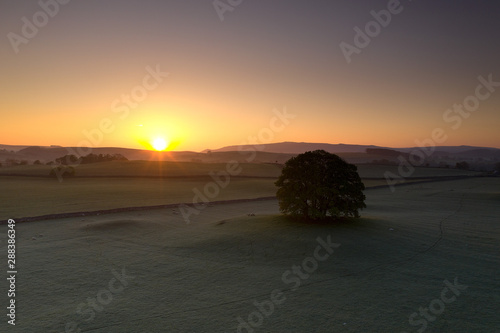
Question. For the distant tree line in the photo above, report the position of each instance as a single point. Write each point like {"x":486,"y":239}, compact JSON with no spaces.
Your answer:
{"x":90,"y":158}
{"x":384,"y":152}
{"x":62,"y":171}
{"x":14,"y":162}
{"x":384,"y":161}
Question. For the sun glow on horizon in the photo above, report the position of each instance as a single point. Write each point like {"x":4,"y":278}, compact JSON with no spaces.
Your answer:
{"x":159,"y":144}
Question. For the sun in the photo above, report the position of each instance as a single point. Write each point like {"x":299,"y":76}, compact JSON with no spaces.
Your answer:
{"x":159,"y":144}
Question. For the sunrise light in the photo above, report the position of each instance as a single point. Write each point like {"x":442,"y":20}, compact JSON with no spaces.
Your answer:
{"x":159,"y":144}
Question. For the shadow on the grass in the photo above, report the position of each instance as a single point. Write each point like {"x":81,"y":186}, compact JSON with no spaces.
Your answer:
{"x":326,"y":222}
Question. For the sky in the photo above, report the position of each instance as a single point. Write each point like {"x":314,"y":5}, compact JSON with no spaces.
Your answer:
{"x":207,"y":74}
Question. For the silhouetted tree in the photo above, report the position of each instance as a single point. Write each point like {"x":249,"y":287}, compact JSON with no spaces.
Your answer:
{"x":37,"y":162}
{"x":317,"y":184}
{"x":62,"y":171}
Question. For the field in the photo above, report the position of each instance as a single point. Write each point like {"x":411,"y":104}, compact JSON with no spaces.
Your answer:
{"x":233,"y":166}
{"x":27,"y":191}
{"x":203,"y":276}
{"x":148,"y":169}
{"x":41,"y":196}
{"x":378,"y":171}
{"x":191,"y":169}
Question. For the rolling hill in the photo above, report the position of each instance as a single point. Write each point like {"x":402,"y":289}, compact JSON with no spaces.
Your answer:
{"x":482,"y":158}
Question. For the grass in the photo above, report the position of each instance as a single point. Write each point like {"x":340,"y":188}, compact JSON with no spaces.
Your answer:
{"x":201,"y":277}
{"x":191,"y":169}
{"x":148,"y":169}
{"x":41,"y":196}
{"x":377,"y":171}
{"x":125,"y":184}
{"x":113,"y":185}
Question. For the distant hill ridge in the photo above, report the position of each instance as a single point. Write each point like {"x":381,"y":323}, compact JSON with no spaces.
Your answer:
{"x":272,"y":152}
{"x":301,"y":147}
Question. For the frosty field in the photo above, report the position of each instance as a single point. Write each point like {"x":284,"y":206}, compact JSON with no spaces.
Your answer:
{"x":149,"y":271}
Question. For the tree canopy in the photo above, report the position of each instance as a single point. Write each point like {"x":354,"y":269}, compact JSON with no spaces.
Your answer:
{"x":317,"y":184}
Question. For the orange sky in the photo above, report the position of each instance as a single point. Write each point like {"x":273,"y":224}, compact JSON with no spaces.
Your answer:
{"x":69,"y":84}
